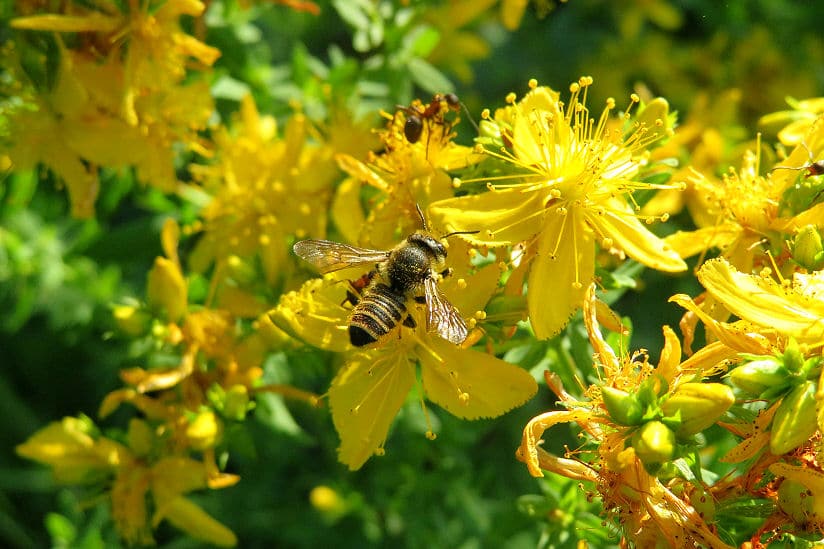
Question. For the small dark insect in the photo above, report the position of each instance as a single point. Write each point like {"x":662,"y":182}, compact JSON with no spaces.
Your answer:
{"x":433,"y":113}
{"x":410,"y":270}
{"x":815,"y":167}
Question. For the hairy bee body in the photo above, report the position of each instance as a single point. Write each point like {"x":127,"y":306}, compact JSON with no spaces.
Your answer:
{"x":408,"y":271}
{"x":376,"y":314}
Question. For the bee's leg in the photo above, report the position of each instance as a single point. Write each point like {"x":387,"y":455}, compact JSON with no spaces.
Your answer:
{"x":356,"y":288}
{"x":446,"y":272}
{"x":351,"y":298}
{"x":409,"y":322}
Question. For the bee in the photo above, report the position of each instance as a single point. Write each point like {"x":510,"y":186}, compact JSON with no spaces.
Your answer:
{"x":410,"y":270}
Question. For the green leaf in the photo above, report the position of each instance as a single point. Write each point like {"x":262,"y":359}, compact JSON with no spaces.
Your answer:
{"x":421,"y":40}
{"x":61,"y":529}
{"x":428,"y":77}
{"x":227,"y":87}
{"x":353,"y":13}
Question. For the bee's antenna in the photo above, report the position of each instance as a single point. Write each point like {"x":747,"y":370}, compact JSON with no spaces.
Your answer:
{"x":423,"y":219}
{"x":453,"y":233}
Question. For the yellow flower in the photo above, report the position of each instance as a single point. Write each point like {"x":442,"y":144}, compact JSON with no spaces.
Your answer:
{"x":794,"y":123}
{"x":264,"y":189}
{"x":79,"y":455}
{"x":745,"y":211}
{"x":647,"y":509}
{"x":739,"y":211}
{"x":457,"y":48}
{"x":373,"y":384}
{"x":777,"y":310}
{"x":407,"y":175}
{"x":113,"y":108}
{"x":512,"y":11}
{"x":574,"y":192}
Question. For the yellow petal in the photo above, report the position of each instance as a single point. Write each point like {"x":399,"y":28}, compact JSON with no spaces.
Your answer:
{"x":794,"y":132}
{"x":618,"y":222}
{"x":668,"y":365}
{"x":455,"y":157}
{"x":192,"y":519}
{"x":361,"y":171}
{"x":474,"y":292}
{"x":314,"y":314}
{"x":810,"y":478}
{"x":128,"y":499}
{"x":606,"y":356}
{"x":150,"y":407}
{"x":174,"y":476}
{"x":503,"y":217}
{"x":528,"y":141}
{"x":734,"y":336}
{"x":690,"y":243}
{"x":470,"y":384}
{"x":765,"y":302}
{"x":68,"y":447}
{"x":512,"y":11}
{"x":712,"y":359}
{"x":81,"y":181}
{"x":530,"y":452}
{"x":364,"y":398}
{"x":347,"y":212}
{"x":560,"y":274}
{"x":93,"y":22}
{"x":811,"y":216}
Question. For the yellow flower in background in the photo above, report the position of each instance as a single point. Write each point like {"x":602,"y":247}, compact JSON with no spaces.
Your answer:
{"x":703,"y":143}
{"x":737,"y":213}
{"x":779,"y":310}
{"x":745,"y":212}
{"x":577,"y":175}
{"x":120,"y":97}
{"x":616,"y":419}
{"x":212,"y":349}
{"x":264,"y":189}
{"x":406,"y":176}
{"x":373,"y":384}
{"x":512,"y":11}
{"x":792,"y":125}
{"x":457,"y":48}
{"x":78,"y":454}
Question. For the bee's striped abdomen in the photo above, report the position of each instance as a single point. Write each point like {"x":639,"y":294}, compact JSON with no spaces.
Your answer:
{"x":376,"y":314}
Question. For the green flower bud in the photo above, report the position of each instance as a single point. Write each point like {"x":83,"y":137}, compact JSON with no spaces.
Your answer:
{"x":703,"y":503}
{"x":793,"y":357}
{"x":697,"y":405}
{"x":807,"y":248}
{"x":654,"y":444}
{"x":796,"y":500}
{"x":760,"y":375}
{"x":795,"y":420}
{"x":240,"y":270}
{"x":236,"y":402}
{"x":204,"y":430}
{"x":623,"y":408}
{"x":131,"y":320}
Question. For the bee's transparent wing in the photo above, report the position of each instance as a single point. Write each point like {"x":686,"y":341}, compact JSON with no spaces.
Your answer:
{"x":327,"y":256}
{"x":441,"y":316}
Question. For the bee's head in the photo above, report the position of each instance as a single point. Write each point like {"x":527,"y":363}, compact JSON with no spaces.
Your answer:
{"x":430,"y":243}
